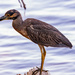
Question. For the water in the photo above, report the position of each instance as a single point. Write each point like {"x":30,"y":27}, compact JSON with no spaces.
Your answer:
{"x":18,"y":54}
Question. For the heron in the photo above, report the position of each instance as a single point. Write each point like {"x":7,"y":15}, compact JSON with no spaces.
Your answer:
{"x":39,"y":32}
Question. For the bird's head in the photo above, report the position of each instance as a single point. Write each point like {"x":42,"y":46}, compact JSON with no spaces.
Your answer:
{"x":10,"y":15}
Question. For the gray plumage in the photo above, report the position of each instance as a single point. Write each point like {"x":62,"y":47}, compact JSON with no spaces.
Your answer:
{"x":37,"y":31}
{"x":45,"y":34}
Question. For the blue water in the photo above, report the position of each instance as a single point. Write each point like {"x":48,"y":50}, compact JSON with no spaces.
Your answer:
{"x":18,"y":54}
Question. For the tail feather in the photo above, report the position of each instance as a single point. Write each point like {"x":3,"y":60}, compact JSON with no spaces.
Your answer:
{"x":66,"y":42}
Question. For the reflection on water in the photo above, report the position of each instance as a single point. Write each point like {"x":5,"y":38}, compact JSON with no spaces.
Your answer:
{"x":18,"y":54}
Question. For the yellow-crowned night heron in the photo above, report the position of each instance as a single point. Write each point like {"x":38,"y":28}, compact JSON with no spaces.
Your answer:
{"x":37,"y":31}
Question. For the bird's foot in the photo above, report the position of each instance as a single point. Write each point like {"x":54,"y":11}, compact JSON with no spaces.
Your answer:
{"x":38,"y":70}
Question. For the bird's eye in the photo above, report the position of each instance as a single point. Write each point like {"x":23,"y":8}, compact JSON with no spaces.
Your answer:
{"x":8,"y":15}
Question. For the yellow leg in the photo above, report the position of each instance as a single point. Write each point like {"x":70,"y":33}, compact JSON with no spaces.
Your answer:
{"x":44,"y":51}
{"x":43,"y":54}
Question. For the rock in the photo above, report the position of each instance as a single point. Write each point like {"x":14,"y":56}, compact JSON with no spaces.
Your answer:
{"x":32,"y":70}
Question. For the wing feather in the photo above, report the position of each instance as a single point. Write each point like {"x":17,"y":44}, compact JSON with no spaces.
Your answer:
{"x":46,"y":35}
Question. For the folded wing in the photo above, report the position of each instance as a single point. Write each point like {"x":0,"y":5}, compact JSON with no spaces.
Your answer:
{"x":46,"y":35}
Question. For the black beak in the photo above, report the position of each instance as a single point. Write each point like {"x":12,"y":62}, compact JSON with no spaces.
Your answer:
{"x":3,"y":18}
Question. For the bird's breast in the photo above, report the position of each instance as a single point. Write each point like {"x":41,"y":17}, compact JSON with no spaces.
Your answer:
{"x":24,"y":33}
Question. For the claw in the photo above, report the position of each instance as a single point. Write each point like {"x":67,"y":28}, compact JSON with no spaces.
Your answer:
{"x":38,"y":70}
{"x":42,"y":70}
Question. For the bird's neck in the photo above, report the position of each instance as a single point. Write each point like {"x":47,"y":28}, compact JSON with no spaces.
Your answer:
{"x":17,"y":23}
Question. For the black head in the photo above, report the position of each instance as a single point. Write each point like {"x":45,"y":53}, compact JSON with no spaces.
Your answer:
{"x":11,"y":14}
